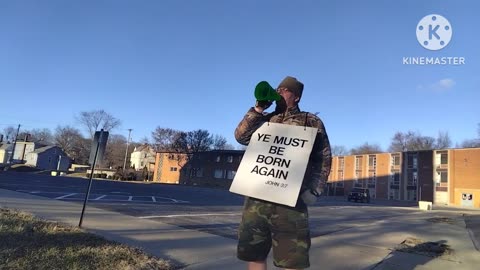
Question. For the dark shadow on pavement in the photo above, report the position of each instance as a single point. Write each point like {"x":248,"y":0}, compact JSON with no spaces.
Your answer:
{"x":412,"y":253}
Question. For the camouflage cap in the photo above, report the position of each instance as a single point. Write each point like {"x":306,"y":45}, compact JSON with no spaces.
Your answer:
{"x":293,"y":85}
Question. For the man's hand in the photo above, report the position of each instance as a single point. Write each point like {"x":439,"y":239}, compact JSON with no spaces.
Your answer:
{"x":310,"y":196}
{"x":261,"y":105}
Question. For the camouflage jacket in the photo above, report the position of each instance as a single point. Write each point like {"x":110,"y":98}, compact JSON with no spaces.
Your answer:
{"x":320,"y":161}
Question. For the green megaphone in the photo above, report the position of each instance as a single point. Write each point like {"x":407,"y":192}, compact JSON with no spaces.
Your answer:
{"x":265,"y":92}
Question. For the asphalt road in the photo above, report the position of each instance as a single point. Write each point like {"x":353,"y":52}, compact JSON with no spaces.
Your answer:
{"x":210,"y":210}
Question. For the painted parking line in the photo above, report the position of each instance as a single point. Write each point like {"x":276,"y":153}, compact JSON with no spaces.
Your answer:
{"x":27,"y":191}
{"x":193,"y":215}
{"x":104,"y":197}
{"x":173,"y":200}
{"x":65,"y":196}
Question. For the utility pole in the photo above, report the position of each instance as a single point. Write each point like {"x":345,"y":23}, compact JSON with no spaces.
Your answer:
{"x":14,"y":144}
{"x":126,"y":150}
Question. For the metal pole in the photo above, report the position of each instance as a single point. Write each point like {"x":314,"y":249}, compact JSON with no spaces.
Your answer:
{"x":126,"y":150}
{"x":91,"y":176}
{"x":14,"y":144}
{"x":59,"y":162}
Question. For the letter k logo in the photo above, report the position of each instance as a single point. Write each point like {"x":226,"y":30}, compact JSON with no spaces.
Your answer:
{"x":433,"y":32}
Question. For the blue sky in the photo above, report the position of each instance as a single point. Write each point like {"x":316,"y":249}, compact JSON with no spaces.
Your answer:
{"x":194,"y":64}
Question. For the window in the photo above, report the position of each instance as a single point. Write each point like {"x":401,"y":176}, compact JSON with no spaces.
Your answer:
{"x":171,"y":156}
{"x":218,"y":173}
{"x":395,"y":160}
{"x":196,"y":172}
{"x":412,"y":161}
{"x":372,"y":177}
{"x":412,"y":179}
{"x":444,"y":159}
{"x":231,"y":174}
{"x":339,"y":183}
{"x":358,"y":163}
{"x":218,"y":158}
{"x":372,"y":161}
{"x":341,"y":163}
{"x":443,"y":177}
{"x":230,"y":159}
{"x":394,"y":194}
{"x":173,"y":169}
{"x":395,"y":179}
{"x":340,"y":175}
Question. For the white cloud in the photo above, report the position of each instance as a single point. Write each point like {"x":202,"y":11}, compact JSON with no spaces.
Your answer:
{"x":445,"y":84}
{"x":439,"y":86}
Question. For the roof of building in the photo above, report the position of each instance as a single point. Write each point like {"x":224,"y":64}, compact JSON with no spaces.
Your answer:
{"x":144,"y":147}
{"x":45,"y":148}
{"x":5,"y":145}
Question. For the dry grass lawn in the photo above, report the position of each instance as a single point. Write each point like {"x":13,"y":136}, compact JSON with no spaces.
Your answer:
{"x":27,"y":242}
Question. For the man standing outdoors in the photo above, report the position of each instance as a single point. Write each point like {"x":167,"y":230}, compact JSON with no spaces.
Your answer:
{"x":267,"y":225}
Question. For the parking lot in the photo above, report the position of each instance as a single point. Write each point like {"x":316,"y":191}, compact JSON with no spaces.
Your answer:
{"x":211,"y":210}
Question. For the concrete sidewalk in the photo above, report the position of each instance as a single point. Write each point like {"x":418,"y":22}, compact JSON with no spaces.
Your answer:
{"x":361,"y":247}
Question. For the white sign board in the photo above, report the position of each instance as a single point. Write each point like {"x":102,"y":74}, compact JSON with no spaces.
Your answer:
{"x":274,"y":164}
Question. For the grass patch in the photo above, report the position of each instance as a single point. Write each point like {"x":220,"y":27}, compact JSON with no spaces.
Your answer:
{"x":27,"y":242}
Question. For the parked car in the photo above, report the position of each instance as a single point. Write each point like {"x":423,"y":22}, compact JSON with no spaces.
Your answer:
{"x":359,"y":195}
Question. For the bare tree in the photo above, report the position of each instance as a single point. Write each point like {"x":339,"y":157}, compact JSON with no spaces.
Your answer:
{"x":423,"y":143}
{"x":241,"y":147}
{"x":339,"y":150}
{"x":164,"y":139}
{"x":219,"y":143}
{"x":69,"y":139}
{"x":97,"y":119}
{"x":228,"y":147}
{"x":115,"y":151}
{"x":411,"y":141}
{"x":366,"y":149}
{"x":43,"y":135}
{"x":199,"y":140}
{"x":401,"y":141}
{"x":24,"y":135}
{"x":443,"y":140}
{"x":144,"y":140}
{"x":473,"y":143}
{"x":9,"y":133}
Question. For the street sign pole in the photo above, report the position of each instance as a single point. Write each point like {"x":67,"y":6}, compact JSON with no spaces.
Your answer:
{"x":100,"y":140}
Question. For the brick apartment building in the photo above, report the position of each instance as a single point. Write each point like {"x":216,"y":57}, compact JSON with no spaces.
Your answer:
{"x":215,"y":168}
{"x":449,"y":177}
{"x":168,"y":166}
{"x":445,"y":176}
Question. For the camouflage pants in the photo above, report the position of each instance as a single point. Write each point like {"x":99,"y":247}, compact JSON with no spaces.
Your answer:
{"x":268,"y":225}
